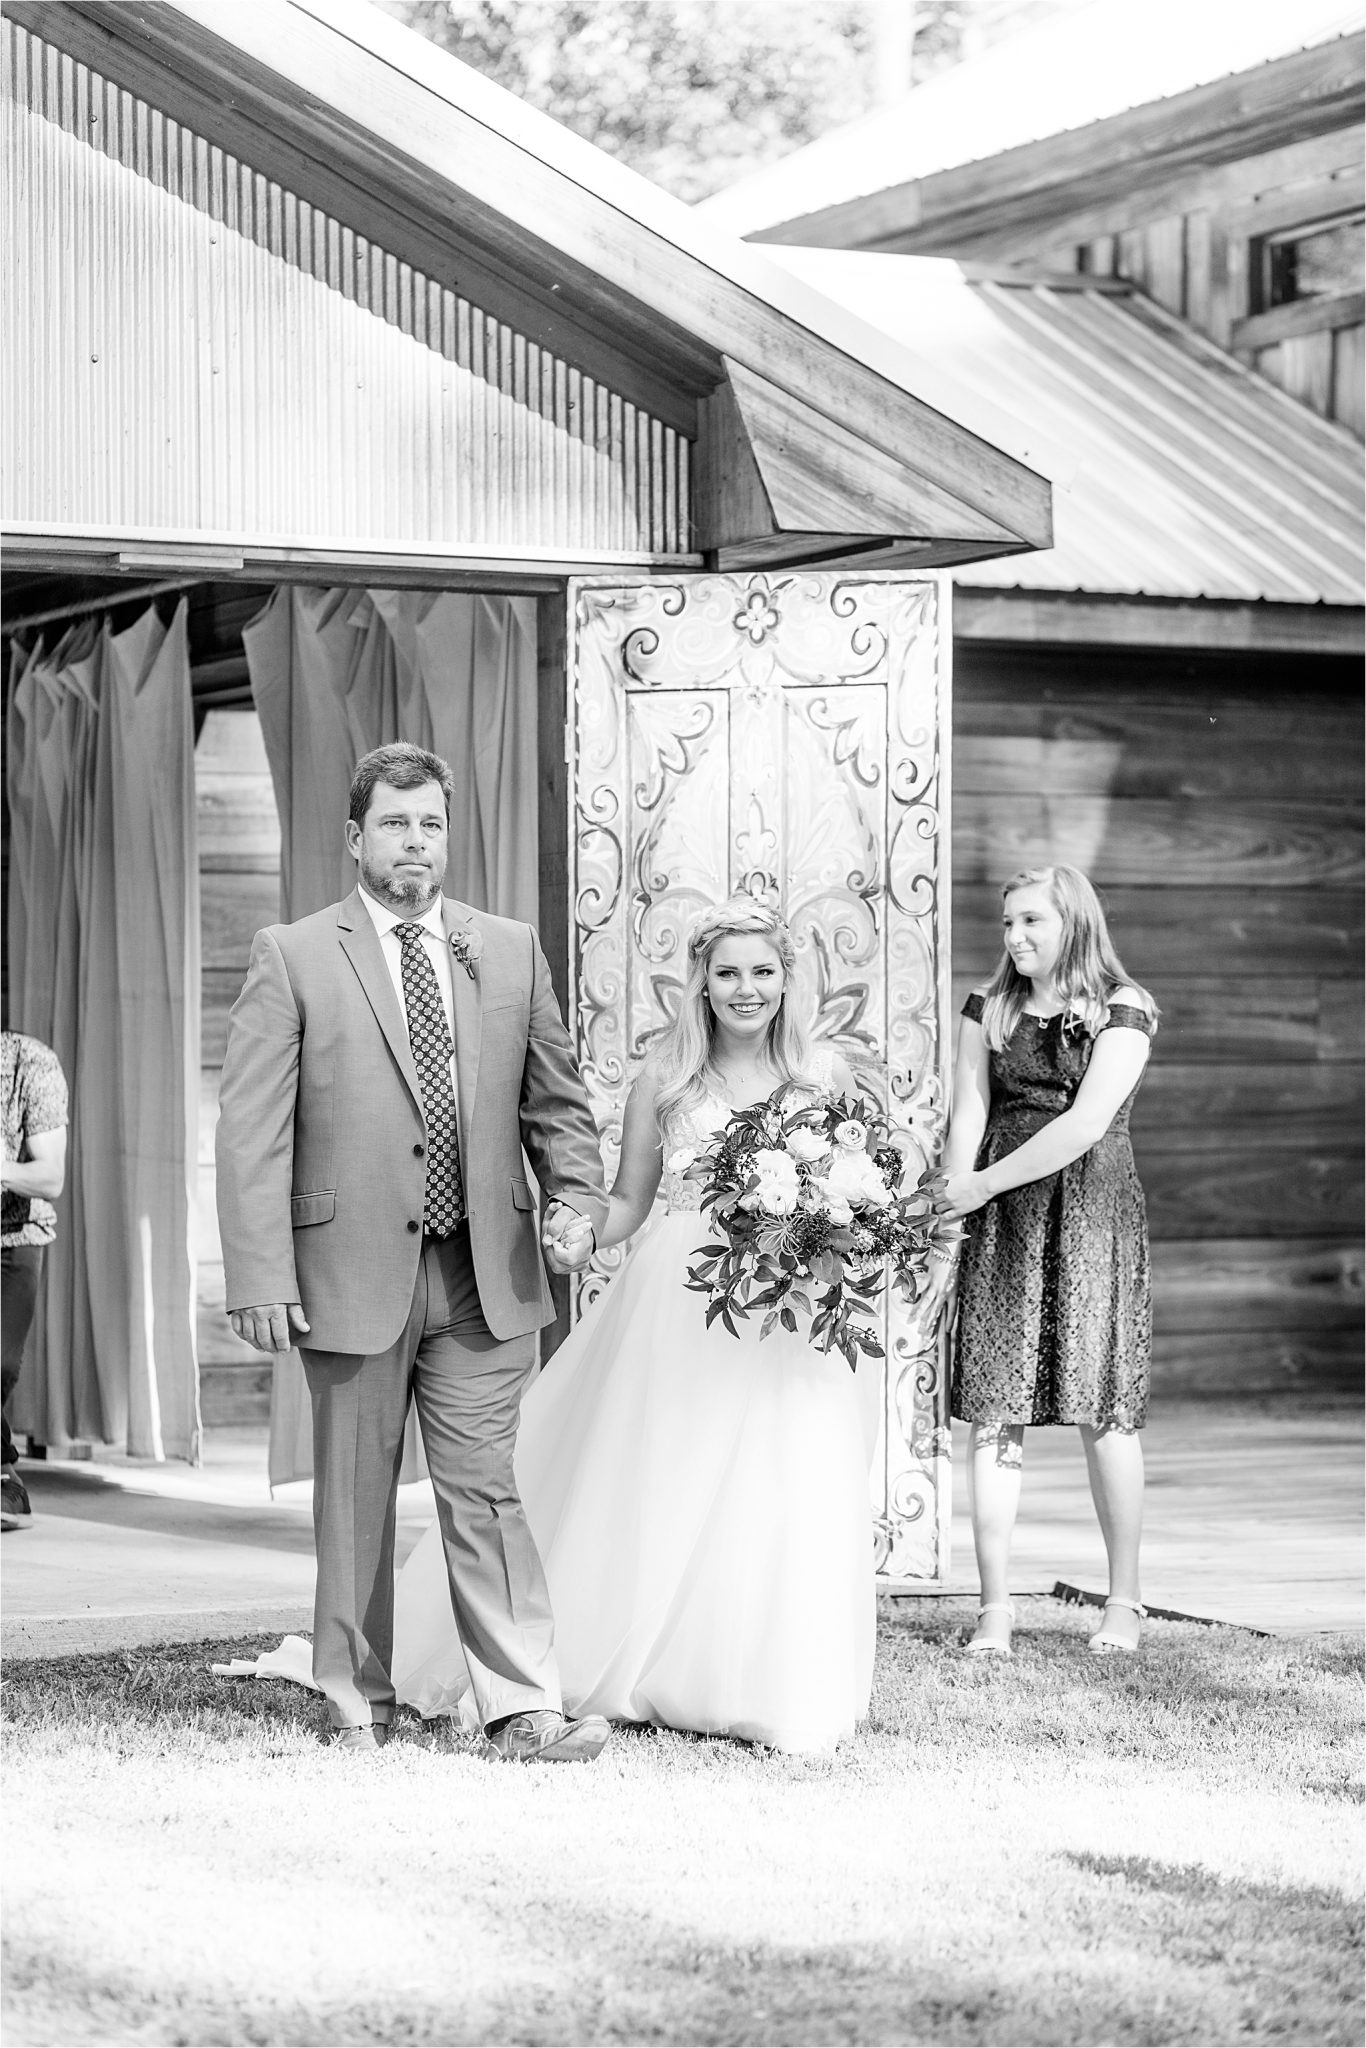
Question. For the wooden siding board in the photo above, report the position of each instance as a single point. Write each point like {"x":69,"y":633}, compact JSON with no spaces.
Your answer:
{"x":1204,"y":1107}
{"x":1348,"y":404}
{"x":1252,"y":1193}
{"x":1126,"y":840}
{"x":1247,"y":1364}
{"x":1255,"y":1284}
{"x":1076,"y":618}
{"x":1164,"y":932}
{"x":1303,"y":366}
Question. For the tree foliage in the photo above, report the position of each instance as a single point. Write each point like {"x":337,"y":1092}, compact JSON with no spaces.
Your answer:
{"x":692,"y":93}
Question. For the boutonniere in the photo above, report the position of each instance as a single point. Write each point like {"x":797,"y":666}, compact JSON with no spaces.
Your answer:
{"x":467,"y":946}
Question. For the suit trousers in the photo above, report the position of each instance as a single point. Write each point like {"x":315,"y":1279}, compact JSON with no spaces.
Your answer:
{"x":468,"y":1387}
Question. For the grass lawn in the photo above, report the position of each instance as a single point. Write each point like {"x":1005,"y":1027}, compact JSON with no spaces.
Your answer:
{"x":1056,"y":1849}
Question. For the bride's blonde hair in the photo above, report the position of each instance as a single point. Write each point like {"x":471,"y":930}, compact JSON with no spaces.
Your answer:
{"x":682,"y":1057}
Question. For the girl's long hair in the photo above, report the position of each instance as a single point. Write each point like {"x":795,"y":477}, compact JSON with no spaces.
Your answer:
{"x":682,"y":1057}
{"x":1088,"y":972}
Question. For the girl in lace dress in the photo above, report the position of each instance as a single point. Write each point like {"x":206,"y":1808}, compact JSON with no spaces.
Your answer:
{"x":700,"y":1503}
{"x":1053,"y":1298}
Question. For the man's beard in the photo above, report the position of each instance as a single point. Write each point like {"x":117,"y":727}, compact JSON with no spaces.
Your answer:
{"x":401,"y":892}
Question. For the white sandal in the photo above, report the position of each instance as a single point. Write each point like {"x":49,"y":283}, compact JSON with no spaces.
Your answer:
{"x":988,"y":1648}
{"x":1103,"y":1645}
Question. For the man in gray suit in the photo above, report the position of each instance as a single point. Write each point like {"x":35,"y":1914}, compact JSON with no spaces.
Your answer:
{"x":387,"y":1061}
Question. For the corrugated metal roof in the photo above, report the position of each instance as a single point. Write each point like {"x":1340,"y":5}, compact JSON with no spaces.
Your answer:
{"x":1081,"y":65}
{"x":1194,"y":476}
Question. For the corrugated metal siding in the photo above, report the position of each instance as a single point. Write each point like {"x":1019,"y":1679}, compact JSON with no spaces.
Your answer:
{"x":191,"y":349}
{"x":1195,"y":478}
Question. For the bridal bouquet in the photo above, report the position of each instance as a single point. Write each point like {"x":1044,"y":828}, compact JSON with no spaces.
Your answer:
{"x":812,"y":1216}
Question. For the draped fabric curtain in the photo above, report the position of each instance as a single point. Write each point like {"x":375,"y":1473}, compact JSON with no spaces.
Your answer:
{"x":104,"y":968}
{"x":336,"y":672}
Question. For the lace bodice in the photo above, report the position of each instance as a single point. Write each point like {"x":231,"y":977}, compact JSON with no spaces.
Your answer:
{"x":692,"y":1131}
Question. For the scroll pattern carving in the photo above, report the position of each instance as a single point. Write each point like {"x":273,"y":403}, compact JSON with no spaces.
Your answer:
{"x":781,"y":734}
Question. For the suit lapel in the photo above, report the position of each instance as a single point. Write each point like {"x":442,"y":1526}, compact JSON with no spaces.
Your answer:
{"x":467,"y":991}
{"x":360,"y":943}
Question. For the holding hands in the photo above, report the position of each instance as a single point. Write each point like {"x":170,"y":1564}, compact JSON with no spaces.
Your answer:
{"x":957,"y":1195}
{"x":566,"y":1238}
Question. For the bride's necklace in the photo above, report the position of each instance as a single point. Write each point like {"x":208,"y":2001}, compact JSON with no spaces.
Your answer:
{"x":738,"y":1080}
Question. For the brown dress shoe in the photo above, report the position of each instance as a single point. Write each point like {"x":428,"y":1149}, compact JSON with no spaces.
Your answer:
{"x":545,"y":1737}
{"x":372,"y":1736}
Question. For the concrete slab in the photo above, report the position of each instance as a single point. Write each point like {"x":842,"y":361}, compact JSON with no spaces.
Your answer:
{"x":1254,"y":1518}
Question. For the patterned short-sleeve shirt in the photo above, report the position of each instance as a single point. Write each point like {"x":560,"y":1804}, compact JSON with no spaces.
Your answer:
{"x":33,"y":1093}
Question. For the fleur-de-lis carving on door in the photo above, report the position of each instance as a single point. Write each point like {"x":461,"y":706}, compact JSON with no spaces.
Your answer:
{"x":785,"y":735}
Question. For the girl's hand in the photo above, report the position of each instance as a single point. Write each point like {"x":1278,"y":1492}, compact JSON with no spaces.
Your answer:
{"x":959,"y":1194}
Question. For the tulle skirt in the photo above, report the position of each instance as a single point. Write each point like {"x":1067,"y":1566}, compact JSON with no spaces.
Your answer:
{"x":701,"y":1507}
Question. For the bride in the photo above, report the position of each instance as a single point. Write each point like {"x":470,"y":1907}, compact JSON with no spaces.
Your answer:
{"x":700,"y":1503}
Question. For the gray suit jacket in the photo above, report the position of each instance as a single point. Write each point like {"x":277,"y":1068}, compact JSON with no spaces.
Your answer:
{"x":320,"y":1134}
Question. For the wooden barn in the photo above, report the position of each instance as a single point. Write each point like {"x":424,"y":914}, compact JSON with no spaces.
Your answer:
{"x":1171,"y":696}
{"x":349,"y":399}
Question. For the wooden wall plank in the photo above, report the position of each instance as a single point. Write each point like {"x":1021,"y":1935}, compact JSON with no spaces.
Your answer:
{"x":1252,"y":1193}
{"x":232,"y":1395}
{"x":237,"y":817}
{"x":1256,"y":1284}
{"x":1249,"y":1363}
{"x":1165,"y":262}
{"x":1342,"y":1026}
{"x":232,"y":909}
{"x":1157,"y":754}
{"x":1349,"y":379}
{"x":1206,"y":1108}
{"x":1255,"y":1019}
{"x":1303,"y":366}
{"x":219,"y":990}
{"x":1163,"y":932}
{"x":1198,"y":268}
{"x":1128,"y":840}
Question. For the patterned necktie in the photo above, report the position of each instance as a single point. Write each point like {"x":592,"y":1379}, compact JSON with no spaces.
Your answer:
{"x":443,"y":1202}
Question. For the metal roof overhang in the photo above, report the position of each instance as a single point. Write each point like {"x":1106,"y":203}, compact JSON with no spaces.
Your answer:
{"x":817,"y":435}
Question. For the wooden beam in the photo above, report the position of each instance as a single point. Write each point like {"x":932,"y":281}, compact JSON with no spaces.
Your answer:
{"x":1064,"y":619}
{"x":463,"y":568}
{"x":816,"y":476}
{"x":1301,"y":316}
{"x":1307,"y":93}
{"x":385,"y":130}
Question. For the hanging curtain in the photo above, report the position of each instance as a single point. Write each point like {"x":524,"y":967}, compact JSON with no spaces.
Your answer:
{"x":104,"y":968}
{"x":337,"y":672}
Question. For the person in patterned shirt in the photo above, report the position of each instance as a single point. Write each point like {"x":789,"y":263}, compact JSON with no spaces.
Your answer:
{"x":33,"y":1092}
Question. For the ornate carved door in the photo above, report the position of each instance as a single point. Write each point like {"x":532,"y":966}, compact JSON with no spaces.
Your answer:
{"x":786,"y":734}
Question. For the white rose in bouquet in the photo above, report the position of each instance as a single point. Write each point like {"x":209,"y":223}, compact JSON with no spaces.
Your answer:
{"x":855,"y":1179}
{"x":839,"y":1211}
{"x":808,"y":1146}
{"x":851,"y":1135}
{"x":778,"y":1186}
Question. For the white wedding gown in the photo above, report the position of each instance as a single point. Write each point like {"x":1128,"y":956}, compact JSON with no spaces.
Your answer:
{"x":701,"y":1507}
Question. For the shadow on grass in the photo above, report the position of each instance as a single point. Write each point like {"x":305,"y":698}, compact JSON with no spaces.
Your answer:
{"x":1196,"y":1960}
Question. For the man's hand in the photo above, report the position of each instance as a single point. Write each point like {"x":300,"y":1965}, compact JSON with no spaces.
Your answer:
{"x":567,"y":1238}
{"x":272,"y":1327}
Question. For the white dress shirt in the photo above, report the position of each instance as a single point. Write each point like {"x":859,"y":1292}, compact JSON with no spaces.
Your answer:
{"x":386,"y":923}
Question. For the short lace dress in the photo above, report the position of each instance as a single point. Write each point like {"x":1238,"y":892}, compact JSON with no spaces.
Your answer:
{"x":1054,"y":1298}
